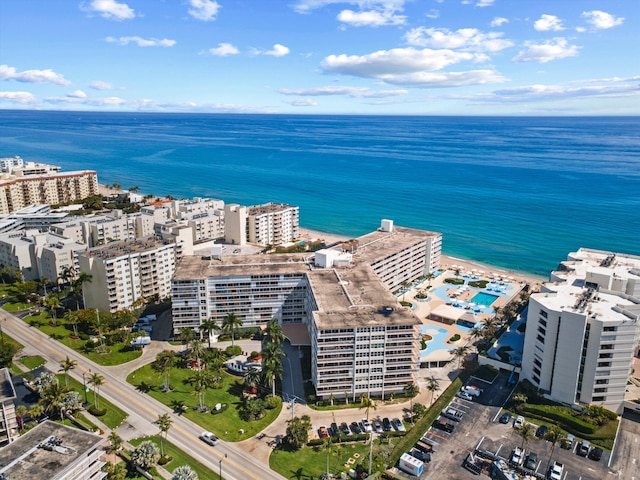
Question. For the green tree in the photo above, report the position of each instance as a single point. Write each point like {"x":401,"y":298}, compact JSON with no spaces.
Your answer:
{"x":186,"y":335}
{"x":297,"y":434}
{"x":273,"y":332}
{"x":459,"y":353}
{"x":115,"y":442}
{"x":117,"y":471}
{"x":184,"y":473}
{"x":411,"y":389}
{"x":164,"y":363}
{"x":272,"y":355}
{"x":78,"y":288}
{"x":208,"y":326}
{"x":200,"y":381}
{"x":553,"y":435}
{"x":97,"y":381}
{"x":251,"y":378}
{"x":21,"y":412}
{"x":53,"y":398}
{"x":164,"y":423}
{"x":65,"y":366}
{"x":367,"y":403}
{"x":196,"y":349}
{"x":433,"y":386}
{"x":230,"y":325}
{"x":146,"y":455}
{"x":7,"y":351}
{"x":35,"y":411}
{"x":526,"y":433}
{"x":419,"y":410}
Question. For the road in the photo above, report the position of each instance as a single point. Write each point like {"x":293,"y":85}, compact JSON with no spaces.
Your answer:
{"x":142,"y":409}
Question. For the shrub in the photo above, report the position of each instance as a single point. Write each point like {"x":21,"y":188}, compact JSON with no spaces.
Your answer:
{"x":455,"y":338}
{"x":564,"y":418}
{"x":406,"y":304}
{"x":271,"y":402}
{"x":96,"y":412}
{"x":233,"y":350}
{"x":454,"y":281}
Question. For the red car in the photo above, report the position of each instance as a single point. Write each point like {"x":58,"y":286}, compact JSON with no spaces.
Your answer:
{"x":322,"y":432}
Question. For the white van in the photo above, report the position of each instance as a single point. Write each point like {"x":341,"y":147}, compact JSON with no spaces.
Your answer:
{"x":472,"y":390}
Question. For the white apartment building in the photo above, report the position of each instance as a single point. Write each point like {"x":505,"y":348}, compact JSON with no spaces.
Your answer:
{"x":54,"y":451}
{"x":112,"y":227}
{"x":8,"y":420}
{"x":196,"y":205}
{"x":583,"y":329}
{"x":8,"y":164}
{"x":235,"y":224}
{"x":272,"y":223}
{"x":362,"y":341}
{"x":18,"y":192}
{"x":124,"y":272}
{"x":58,"y":254}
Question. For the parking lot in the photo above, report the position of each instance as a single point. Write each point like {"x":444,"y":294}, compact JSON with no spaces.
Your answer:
{"x":480,"y":428}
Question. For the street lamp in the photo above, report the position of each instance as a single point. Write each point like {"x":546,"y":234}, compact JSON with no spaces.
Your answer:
{"x":84,"y":385}
{"x":220,"y":463}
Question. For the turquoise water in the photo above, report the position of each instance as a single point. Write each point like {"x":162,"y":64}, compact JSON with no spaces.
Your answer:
{"x":482,"y":298}
{"x":514,"y":192}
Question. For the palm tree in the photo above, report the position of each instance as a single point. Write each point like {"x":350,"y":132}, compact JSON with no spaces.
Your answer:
{"x":164,"y":363}
{"x":97,"y":381}
{"x":273,"y":331}
{"x":68,"y":273}
{"x":72,"y":317}
{"x":553,"y":435}
{"x":209,"y":326}
{"x":459,"y":353}
{"x":21,"y":412}
{"x":526,"y":432}
{"x":146,"y":455}
{"x":270,"y":372}
{"x":115,"y":442}
{"x":200,"y":381}
{"x":35,"y":411}
{"x":184,"y":473}
{"x":433,"y":386}
{"x":78,"y":288}
{"x":251,"y":378}
{"x":412,"y":390}
{"x":196,"y":348}
{"x":230,"y":324}
{"x":52,"y":302}
{"x":65,"y":366}
{"x":367,"y":404}
{"x":475,"y":334}
{"x":186,"y":335}
{"x":164,"y":424}
{"x":53,"y":398}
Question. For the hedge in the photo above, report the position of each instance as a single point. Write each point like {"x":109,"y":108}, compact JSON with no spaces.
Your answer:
{"x":566,"y":421}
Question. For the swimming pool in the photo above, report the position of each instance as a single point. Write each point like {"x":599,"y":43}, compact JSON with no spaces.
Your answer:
{"x":482,"y":298}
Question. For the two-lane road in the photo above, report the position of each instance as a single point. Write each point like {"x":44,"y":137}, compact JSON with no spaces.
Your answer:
{"x":142,"y":409}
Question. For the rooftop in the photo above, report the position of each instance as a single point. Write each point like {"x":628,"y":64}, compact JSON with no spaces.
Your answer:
{"x":26,"y":459}
{"x":7,"y":392}
{"x":268,"y":208}
{"x":127,"y":247}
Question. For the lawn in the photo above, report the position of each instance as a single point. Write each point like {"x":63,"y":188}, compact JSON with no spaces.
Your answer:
{"x":227,"y":424}
{"x":33,"y":362}
{"x":179,"y":458}
{"x":309,"y":463}
{"x":62,"y":331}
{"x":114,"y":416}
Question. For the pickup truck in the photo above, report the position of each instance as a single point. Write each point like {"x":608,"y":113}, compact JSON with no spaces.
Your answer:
{"x":442,"y":424}
{"x":452,"y":414}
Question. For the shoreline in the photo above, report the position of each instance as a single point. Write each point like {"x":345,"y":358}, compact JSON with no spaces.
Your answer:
{"x":447,"y":261}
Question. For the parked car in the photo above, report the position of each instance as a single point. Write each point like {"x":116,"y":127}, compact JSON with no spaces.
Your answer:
{"x":464,"y":395}
{"x":519,"y":421}
{"x":366,"y":424}
{"x":595,"y":454}
{"x":583,"y":448}
{"x":420,"y":455}
{"x":322,"y":432}
{"x":531,"y":461}
{"x":556,"y":471}
{"x":386,"y":424}
{"x":377,"y":426}
{"x":442,"y":424}
{"x":355,"y":428}
{"x":517,"y":456}
{"x":568,"y":442}
{"x":541,"y":431}
{"x":345,"y":428}
{"x":398,"y":425}
{"x":333,"y":429}
{"x":472,"y":390}
{"x":505,"y":417}
{"x":210,"y":438}
{"x":452,"y":414}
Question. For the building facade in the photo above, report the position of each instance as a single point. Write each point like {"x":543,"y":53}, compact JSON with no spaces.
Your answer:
{"x":272,"y":223}
{"x":583,"y":329}
{"x":8,"y":419}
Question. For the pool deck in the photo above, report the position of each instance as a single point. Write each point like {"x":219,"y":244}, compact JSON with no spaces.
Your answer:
{"x":441,"y":293}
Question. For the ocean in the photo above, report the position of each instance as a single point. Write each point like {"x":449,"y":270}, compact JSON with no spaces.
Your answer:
{"x":513,"y":192}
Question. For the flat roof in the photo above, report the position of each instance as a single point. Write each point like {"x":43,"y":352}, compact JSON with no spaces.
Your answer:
{"x":24,"y":460}
{"x":7,"y":391}
{"x":126,"y":247}
{"x":268,"y":208}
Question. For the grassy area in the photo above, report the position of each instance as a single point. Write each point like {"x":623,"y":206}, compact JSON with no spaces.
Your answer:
{"x":16,"y":306}
{"x":62,"y":331}
{"x":311,"y":462}
{"x":179,"y":458}
{"x":114,"y":416}
{"x":33,"y":362}
{"x":226,"y":425}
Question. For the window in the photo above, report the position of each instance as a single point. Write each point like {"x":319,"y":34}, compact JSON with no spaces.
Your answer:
{"x":542,"y":331}
{"x":536,"y":380}
{"x":609,"y":329}
{"x":536,"y":371}
{"x":542,"y":322}
{"x":537,"y":362}
{"x":599,"y":390}
{"x":543,"y":314}
{"x":540,"y":338}
{"x":598,"y":399}
{"x":604,"y":364}
{"x":602,"y":381}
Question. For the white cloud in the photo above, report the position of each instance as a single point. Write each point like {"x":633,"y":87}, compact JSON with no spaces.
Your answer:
{"x":445,"y":79}
{"x":554,"y":49}
{"x":354,"y":92}
{"x":223,"y":50}
{"x":433,"y":14}
{"x":142,"y":42}
{"x":371,"y":18}
{"x":109,"y":9}
{"x":17,"y":97}
{"x":468,"y":39}
{"x":602,"y":20}
{"x":548,"y":23}
{"x":277,"y":51}
{"x":301,"y":102}
{"x":100,"y":85}
{"x":32,"y":76}
{"x":581,"y":29}
{"x":205,"y":10}
{"x":306,"y":6}
{"x":479,"y":3}
{"x":77,"y":94}
{"x":499,"y":21}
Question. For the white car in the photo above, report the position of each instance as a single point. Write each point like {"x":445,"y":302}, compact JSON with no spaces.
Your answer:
{"x":518,"y":422}
{"x":556,"y":471}
{"x":517,"y":456}
{"x":367,"y":425}
{"x":210,"y":438}
{"x":464,"y":395}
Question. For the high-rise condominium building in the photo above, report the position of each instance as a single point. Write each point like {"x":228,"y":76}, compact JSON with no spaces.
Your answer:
{"x":272,"y":223}
{"x":582,"y":329}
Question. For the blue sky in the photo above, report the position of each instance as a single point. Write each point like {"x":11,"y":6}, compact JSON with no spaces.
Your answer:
{"x":420,"y":57}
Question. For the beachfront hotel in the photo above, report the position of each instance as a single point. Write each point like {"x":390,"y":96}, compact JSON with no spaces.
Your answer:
{"x":583,"y":328}
{"x":338,"y":301}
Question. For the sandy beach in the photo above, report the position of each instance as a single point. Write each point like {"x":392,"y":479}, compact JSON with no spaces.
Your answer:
{"x":447,"y":261}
